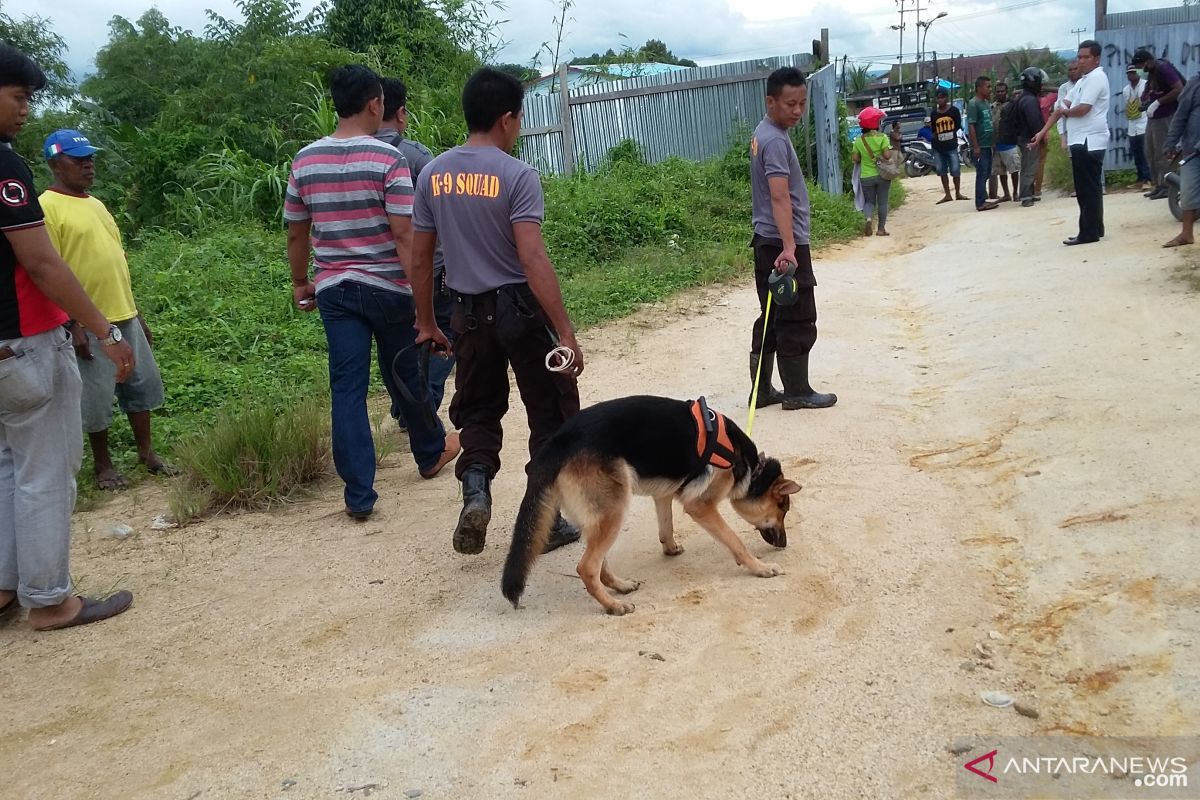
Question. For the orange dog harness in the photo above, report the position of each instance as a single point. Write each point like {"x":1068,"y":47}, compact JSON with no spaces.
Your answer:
{"x":713,"y":445}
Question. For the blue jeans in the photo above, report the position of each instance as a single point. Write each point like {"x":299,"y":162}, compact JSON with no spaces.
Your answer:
{"x":983,"y":171}
{"x":353,"y":314}
{"x":439,"y":367}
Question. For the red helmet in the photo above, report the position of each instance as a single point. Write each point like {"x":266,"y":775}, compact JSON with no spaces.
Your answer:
{"x":869,"y":118}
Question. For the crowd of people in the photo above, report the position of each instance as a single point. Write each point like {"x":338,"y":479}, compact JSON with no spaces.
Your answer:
{"x":1008,"y":131}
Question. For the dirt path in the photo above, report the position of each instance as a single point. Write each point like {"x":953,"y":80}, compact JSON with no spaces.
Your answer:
{"x":1014,"y":451}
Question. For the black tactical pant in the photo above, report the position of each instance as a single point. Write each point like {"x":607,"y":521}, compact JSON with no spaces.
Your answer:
{"x":792,"y":330}
{"x":492,"y":331}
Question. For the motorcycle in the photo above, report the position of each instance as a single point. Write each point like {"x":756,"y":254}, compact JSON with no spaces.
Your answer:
{"x":1173,"y":182}
{"x":918,"y":158}
{"x":965,"y":155}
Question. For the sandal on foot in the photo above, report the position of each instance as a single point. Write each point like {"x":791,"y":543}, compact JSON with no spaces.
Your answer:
{"x":1178,"y":241}
{"x":162,"y":468}
{"x":453,"y":448}
{"x":95,"y":610}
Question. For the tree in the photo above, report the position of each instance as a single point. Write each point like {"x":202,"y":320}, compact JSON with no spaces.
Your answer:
{"x":33,"y":36}
{"x":1019,"y":59}
{"x":563,"y":8}
{"x":656,"y":50}
{"x":858,"y":79}
{"x":521,"y":72}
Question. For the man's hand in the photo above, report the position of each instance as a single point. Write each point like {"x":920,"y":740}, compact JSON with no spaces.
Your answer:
{"x":441,"y":345}
{"x":121,"y":354}
{"x":79,"y":341}
{"x":786,"y":257}
{"x":146,"y":330}
{"x":305,"y":296}
{"x":1036,"y":140}
{"x":568,"y":341}
{"x":977,"y":151}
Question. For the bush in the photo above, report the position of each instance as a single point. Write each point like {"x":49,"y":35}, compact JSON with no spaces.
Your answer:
{"x":1058,"y":169}
{"x":254,"y":456}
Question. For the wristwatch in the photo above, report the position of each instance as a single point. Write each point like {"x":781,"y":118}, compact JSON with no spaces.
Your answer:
{"x":114,"y":336}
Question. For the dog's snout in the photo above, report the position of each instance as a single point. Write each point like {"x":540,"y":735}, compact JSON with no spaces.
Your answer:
{"x":776,"y":537}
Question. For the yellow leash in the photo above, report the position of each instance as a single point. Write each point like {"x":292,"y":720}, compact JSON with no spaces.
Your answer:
{"x":758,"y":372}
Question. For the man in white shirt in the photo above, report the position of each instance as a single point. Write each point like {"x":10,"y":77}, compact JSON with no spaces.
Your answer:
{"x":1064,"y":92}
{"x":1086,"y":114}
{"x":1131,"y":97}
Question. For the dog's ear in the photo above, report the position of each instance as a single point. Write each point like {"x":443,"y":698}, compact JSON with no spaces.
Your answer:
{"x":785,"y":486}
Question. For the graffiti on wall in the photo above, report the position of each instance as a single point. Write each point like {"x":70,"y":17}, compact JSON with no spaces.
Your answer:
{"x":1180,"y":44}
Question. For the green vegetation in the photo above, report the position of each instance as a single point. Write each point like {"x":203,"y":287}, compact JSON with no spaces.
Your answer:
{"x":1058,"y":169}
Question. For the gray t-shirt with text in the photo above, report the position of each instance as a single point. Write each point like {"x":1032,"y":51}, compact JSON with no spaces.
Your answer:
{"x":471,"y":197}
{"x":771,"y":155}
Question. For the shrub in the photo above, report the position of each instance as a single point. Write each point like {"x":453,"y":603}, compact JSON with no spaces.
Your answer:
{"x":254,"y":456}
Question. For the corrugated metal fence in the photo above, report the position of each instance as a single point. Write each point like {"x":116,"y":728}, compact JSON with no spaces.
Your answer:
{"x":1179,"y":42}
{"x":691,"y":114}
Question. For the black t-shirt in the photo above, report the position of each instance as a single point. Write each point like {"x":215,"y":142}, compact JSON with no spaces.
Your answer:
{"x":24,"y":310}
{"x":946,"y":125}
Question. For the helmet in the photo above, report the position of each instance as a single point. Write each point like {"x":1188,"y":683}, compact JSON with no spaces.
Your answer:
{"x":784,"y":287}
{"x":1032,"y":79}
{"x":869,"y":118}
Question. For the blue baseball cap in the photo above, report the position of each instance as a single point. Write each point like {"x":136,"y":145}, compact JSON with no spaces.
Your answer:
{"x":73,"y":143}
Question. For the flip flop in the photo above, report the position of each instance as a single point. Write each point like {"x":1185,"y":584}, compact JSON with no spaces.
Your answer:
{"x":453,"y":448}
{"x":95,"y":610}
{"x":1176,"y":243}
{"x":943,"y":200}
{"x":162,"y":468}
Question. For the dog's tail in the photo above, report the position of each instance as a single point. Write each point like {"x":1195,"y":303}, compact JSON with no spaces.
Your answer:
{"x":534,"y":521}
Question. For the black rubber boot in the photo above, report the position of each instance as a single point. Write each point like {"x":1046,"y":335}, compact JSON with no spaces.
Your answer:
{"x":768,"y":395}
{"x":562,"y":533}
{"x":476,"y":512}
{"x":797,"y":392}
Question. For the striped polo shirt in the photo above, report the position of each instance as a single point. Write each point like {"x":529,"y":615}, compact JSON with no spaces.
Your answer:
{"x":348,"y":188}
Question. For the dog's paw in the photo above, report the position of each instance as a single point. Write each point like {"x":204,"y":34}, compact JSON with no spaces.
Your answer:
{"x":620,"y":608}
{"x":764,"y":570}
{"x":625,"y":587}
{"x":673,"y":550}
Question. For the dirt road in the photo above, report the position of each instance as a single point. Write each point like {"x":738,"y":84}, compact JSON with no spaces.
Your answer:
{"x":1011,"y":465}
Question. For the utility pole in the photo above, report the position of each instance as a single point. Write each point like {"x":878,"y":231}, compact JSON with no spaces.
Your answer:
{"x":1077,"y":32}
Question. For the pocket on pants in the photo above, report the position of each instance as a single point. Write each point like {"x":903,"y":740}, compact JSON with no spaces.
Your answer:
{"x":24,"y":384}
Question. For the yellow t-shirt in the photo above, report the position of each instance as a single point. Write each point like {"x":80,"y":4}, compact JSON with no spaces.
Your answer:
{"x":87,"y":238}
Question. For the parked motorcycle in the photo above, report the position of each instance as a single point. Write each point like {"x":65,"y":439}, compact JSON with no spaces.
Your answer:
{"x":918,"y":158}
{"x":1173,"y":182}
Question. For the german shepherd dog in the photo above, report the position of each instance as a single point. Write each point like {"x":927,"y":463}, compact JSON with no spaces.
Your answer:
{"x":667,"y":449}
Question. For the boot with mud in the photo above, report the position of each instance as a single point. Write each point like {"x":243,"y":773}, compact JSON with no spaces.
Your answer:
{"x":797,"y":392}
{"x":768,"y":395}
{"x":476,"y":513}
{"x":562,"y":533}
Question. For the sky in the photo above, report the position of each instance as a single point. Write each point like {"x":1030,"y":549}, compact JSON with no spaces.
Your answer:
{"x":708,"y":31}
